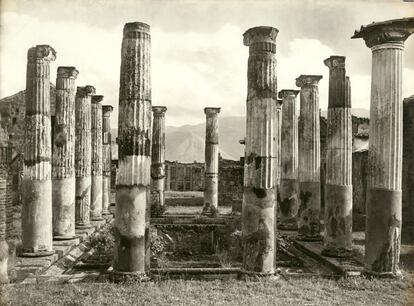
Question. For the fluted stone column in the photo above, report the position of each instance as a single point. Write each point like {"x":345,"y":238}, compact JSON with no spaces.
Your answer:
{"x":5,"y":201}
{"x":158,"y":158}
{"x":83,"y":154}
{"x":383,"y":224}
{"x":338,"y":188}
{"x":211,"y":156}
{"x":289,"y":183}
{"x":96,"y":166}
{"x":260,"y":195}
{"x":106,"y":158}
{"x":63,"y":158}
{"x":37,"y":237}
{"x":309,"y":159}
{"x":134,"y":154}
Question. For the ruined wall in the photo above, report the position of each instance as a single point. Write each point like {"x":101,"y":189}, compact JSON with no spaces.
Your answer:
{"x":184,"y":176}
{"x":230,"y":190}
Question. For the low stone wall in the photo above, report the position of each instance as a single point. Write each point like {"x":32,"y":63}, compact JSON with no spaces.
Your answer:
{"x":230,"y":191}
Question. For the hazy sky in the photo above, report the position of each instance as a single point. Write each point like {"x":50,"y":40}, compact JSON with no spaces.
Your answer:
{"x":198,"y":57}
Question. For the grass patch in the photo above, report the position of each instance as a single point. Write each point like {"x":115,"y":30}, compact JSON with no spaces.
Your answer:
{"x":316,"y":291}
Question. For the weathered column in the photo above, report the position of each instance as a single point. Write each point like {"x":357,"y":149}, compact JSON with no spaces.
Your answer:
{"x":96,"y":166}
{"x":309,"y":159}
{"x":37,"y":237}
{"x":83,"y":155}
{"x":289,"y":183}
{"x":383,"y":224}
{"x":260,"y":195}
{"x":5,"y":200}
{"x":134,"y":154}
{"x":167,"y":177}
{"x":158,"y":158}
{"x":63,"y":156}
{"x":211,"y":156}
{"x":338,"y":188}
{"x":106,"y":158}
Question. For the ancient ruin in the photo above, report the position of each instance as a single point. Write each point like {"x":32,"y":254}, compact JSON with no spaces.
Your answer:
{"x":260,"y":194}
{"x":383,"y":226}
{"x":131,"y":254}
{"x":63,"y":155}
{"x":83,"y":155}
{"x":96,"y":158}
{"x":158,"y":158}
{"x":212,"y":159}
{"x":37,"y":232}
{"x":259,"y":216}
{"x":106,"y":158}
{"x":289,"y":183}
{"x":309,"y":158}
{"x":338,"y":185}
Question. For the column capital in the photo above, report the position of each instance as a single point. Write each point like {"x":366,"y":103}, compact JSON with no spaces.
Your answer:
{"x":132,"y":29}
{"x":67,"y":72}
{"x":260,"y":34}
{"x":279,"y":103}
{"x":97,"y":99}
{"x":288,"y":92}
{"x":308,"y":80}
{"x":335,"y":61}
{"x":84,"y":91}
{"x":43,"y":52}
{"x":211,"y":110}
{"x":107,"y":109}
{"x":159,"y":110}
{"x":389,"y":31}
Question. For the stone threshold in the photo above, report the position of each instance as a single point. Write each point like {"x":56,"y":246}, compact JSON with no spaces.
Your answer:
{"x":65,"y":252}
{"x":347,"y":267}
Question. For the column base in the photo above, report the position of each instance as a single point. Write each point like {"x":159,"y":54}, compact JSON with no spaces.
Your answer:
{"x":64,"y":237}
{"x":37,"y":254}
{"x":106,"y":212}
{"x":389,"y":275}
{"x":121,"y":277}
{"x":97,"y":219}
{"x":248,"y":275}
{"x":337,"y":253}
{"x":83,"y":226}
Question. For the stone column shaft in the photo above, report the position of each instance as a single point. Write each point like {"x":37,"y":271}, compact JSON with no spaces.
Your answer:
{"x":309,"y":158}
{"x":96,"y":167}
{"x":37,"y":237}
{"x":211,"y":156}
{"x":106,"y":158}
{"x":63,"y":159}
{"x":158,"y":158}
{"x":5,"y":201}
{"x":83,"y":155}
{"x":289,"y":183}
{"x":134,"y":146}
{"x":259,"y":195}
{"x":338,"y":188}
{"x":383,"y":225}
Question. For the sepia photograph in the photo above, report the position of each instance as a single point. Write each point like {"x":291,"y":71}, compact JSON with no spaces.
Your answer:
{"x":206,"y":152}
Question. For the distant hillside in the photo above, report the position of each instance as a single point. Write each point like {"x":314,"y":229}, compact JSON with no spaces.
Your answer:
{"x":186,"y":143}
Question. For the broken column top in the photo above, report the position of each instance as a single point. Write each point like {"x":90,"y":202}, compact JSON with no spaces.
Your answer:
{"x":335,"y":61}
{"x":211,"y":110}
{"x":84,"y":91}
{"x":134,"y":27}
{"x":260,"y":34}
{"x":97,"y":98}
{"x":395,"y":30}
{"x":308,"y":80}
{"x":67,"y":72}
{"x":288,"y":92}
{"x":44,"y":52}
{"x":107,"y":109}
{"x":158,"y":110}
